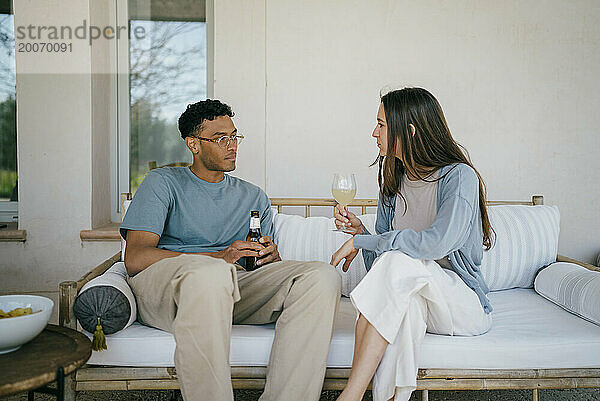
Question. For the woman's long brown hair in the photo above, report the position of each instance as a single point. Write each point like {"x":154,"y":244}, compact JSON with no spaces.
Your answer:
{"x":431,"y":148}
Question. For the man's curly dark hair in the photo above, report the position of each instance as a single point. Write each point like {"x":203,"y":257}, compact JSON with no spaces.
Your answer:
{"x":194,"y":115}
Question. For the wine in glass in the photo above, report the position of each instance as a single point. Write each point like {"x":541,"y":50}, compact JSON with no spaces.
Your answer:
{"x":343,"y":189}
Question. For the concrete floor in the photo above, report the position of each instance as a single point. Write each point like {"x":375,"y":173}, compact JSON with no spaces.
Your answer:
{"x":252,"y":395}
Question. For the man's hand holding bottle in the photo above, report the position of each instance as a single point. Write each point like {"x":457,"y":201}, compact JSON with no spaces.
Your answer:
{"x":265,"y":250}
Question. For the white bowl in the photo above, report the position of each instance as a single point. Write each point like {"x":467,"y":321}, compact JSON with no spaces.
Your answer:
{"x":16,"y":331}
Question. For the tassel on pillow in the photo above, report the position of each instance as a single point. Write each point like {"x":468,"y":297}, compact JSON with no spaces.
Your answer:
{"x":99,"y":342}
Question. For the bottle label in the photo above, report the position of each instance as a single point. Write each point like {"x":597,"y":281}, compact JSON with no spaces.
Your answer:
{"x":254,"y":222}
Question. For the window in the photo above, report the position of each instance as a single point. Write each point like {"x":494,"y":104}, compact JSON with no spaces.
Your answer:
{"x":166,"y":70}
{"x":8,"y":114}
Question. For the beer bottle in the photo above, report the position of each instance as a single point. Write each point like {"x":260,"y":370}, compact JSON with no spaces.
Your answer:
{"x":253,"y":235}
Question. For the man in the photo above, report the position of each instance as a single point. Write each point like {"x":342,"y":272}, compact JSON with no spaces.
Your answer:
{"x":185,"y":231}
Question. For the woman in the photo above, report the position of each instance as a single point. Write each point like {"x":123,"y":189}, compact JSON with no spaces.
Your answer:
{"x":423,"y":263}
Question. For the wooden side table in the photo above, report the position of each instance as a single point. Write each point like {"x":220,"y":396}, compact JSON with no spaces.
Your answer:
{"x":52,"y":355}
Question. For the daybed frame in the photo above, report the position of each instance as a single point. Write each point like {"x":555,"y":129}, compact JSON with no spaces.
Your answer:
{"x":91,"y":378}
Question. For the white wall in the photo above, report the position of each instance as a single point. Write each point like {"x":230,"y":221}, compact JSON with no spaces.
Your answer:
{"x":238,"y":70}
{"x":54,"y":136}
{"x":519,"y":84}
{"x":103,"y":112}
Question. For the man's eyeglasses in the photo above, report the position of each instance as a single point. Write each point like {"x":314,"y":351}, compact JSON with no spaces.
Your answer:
{"x":225,"y":140}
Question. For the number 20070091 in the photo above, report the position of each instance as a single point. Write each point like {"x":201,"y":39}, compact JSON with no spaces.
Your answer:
{"x":44,"y":47}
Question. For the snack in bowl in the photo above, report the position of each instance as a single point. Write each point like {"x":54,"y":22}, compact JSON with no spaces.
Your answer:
{"x":16,"y":312}
{"x":26,"y":317}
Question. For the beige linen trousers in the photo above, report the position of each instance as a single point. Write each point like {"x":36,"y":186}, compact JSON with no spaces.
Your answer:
{"x":198,"y":298}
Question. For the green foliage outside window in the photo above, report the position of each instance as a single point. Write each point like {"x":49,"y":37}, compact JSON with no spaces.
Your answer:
{"x":8,"y":149}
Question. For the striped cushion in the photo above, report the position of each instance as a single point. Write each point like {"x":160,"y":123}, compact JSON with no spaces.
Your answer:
{"x":526,"y":240}
{"x":313,"y":238}
{"x":573,"y":288}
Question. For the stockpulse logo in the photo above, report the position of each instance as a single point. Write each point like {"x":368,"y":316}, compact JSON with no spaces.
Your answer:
{"x":83,"y":32}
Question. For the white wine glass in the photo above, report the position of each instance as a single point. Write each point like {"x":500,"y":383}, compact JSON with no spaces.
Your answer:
{"x":343,"y":190}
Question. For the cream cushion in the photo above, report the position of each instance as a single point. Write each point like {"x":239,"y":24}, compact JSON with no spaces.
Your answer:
{"x":526,"y":241}
{"x":313,"y":238}
{"x":573,"y":288}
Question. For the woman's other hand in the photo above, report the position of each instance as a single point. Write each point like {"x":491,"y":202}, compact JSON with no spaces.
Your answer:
{"x":346,"y":251}
{"x":347,"y":221}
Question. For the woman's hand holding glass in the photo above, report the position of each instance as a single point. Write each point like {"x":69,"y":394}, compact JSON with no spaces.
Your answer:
{"x":347,"y":221}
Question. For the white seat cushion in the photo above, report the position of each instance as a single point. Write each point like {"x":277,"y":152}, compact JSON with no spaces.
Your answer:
{"x":528,"y":332}
{"x":140,"y":345}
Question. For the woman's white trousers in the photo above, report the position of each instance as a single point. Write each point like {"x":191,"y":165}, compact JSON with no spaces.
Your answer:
{"x":403,"y":298}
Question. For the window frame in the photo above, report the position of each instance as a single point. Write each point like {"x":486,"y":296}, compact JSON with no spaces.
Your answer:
{"x":119,"y":155}
{"x":9,"y":210}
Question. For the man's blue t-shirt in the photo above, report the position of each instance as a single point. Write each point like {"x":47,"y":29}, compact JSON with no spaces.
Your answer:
{"x":193,"y":215}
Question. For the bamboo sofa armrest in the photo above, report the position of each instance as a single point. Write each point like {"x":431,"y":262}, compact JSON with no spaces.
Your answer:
{"x":561,"y":258}
{"x":68,"y":291}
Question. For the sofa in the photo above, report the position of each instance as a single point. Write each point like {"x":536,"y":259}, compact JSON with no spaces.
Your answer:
{"x":545,"y":333}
